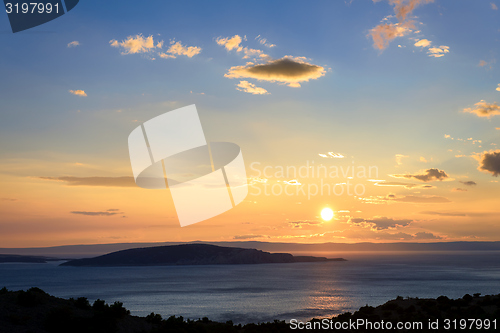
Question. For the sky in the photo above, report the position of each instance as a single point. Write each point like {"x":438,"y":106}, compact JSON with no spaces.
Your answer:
{"x":402,"y":92}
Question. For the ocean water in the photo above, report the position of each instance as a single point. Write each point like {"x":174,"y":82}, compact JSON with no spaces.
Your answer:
{"x":258,"y":293}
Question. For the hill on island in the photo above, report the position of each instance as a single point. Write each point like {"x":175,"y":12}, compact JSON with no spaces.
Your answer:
{"x":191,"y":254}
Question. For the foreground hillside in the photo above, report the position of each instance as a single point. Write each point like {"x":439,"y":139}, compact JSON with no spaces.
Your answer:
{"x":191,"y":254}
{"x":37,"y":312}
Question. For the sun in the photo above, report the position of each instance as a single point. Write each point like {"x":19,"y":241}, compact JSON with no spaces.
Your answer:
{"x":327,"y":214}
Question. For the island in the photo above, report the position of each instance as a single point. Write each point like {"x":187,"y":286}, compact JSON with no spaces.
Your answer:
{"x":192,"y":254}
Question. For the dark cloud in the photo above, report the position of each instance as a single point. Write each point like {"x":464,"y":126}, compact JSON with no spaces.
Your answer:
{"x":287,"y":70}
{"x":458,"y":189}
{"x":426,"y":235}
{"x":468,"y":183}
{"x":8,"y":199}
{"x":429,"y":175}
{"x":381,"y":223}
{"x":106,"y":213}
{"x":490,"y":162}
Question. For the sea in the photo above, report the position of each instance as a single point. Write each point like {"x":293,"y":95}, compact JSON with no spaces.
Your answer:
{"x":268,"y":292}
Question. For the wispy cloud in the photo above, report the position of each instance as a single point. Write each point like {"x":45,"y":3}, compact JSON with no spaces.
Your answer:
{"x":468,"y":183}
{"x":74,"y":43}
{"x":177,"y":48}
{"x":288,"y":70}
{"x":405,"y":185}
{"x":251,"y":88}
{"x":331,"y":155}
{"x":78,"y":93}
{"x":484,"y":109}
{"x":147,"y":45}
{"x":423,"y":43}
{"x":381,"y":223}
{"x":234,"y":43}
{"x":498,"y":87}
{"x":384,"y":33}
{"x":493,"y":6}
{"x":399,"y":158}
{"x":427,"y":175}
{"x":109,"y":212}
{"x":136,"y":44}
{"x":95,"y":181}
{"x":438,"y":52}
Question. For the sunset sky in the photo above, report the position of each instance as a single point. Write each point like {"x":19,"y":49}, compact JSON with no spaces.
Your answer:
{"x":406,"y":89}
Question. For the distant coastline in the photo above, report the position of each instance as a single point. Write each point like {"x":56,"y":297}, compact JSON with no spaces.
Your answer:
{"x":92,"y":250}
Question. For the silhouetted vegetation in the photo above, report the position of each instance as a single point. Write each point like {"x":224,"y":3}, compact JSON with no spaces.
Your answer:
{"x":34,"y":310}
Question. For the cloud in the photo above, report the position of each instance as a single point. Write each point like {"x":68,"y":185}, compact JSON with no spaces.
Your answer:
{"x":468,"y":183}
{"x":498,"y":87}
{"x":109,"y":212}
{"x":234,"y":43}
{"x":459,"y":190}
{"x":438,"y":52}
{"x":493,"y":6}
{"x":166,"y":55}
{"x":248,"y":236}
{"x":423,"y":43}
{"x":426,"y":235}
{"x":74,"y":43}
{"x":482,"y":63}
{"x":230,"y":43}
{"x":8,"y":199}
{"x":461,"y":214}
{"x":137,"y":44}
{"x":301,"y":224}
{"x":78,"y":93}
{"x":489,"y":161}
{"x":381,"y":223}
{"x":422,"y":199}
{"x":331,"y":155}
{"x":95,"y":181}
{"x":403,"y":8}
{"x":251,"y":88}
{"x":484,"y":109}
{"x":384,"y":33}
{"x":406,"y":185}
{"x":399,"y":158}
{"x":264,"y":42}
{"x":392,"y":198}
{"x":178,"y":49}
{"x":429,"y":175}
{"x":288,"y":70}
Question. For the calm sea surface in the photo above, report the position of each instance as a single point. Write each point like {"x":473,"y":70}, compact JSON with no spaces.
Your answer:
{"x":257,"y":293}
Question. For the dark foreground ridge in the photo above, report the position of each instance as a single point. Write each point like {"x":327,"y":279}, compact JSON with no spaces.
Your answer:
{"x":38,"y":312}
{"x":191,"y":254}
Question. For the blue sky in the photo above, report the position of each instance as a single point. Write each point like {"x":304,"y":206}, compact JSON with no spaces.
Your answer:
{"x":370,"y":104}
